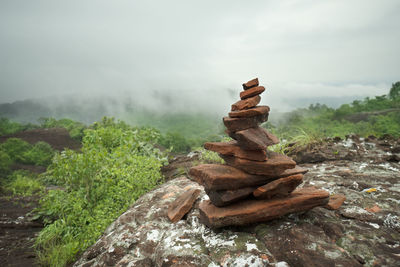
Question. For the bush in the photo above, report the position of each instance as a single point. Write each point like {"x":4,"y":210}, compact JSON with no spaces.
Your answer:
{"x":116,"y":165}
{"x":15,"y":148}
{"x":40,"y":154}
{"x":23,"y":183}
{"x":5,"y":162}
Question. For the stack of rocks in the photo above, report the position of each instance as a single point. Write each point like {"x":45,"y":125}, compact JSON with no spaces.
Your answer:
{"x":255,"y":184}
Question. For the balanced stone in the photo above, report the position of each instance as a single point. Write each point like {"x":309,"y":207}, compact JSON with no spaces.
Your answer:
{"x":253,"y":211}
{"x":251,"y":112}
{"x":232,"y":148}
{"x":238,"y":124}
{"x":225,"y":197}
{"x":256,"y":138}
{"x":182,"y":204}
{"x":335,"y":202}
{"x":250,"y":84}
{"x":252,"y":92}
{"x":275,"y":165}
{"x":246,"y":103}
{"x":278,"y":188}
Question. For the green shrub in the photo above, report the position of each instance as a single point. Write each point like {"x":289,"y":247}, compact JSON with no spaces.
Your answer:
{"x":5,"y":162}
{"x":23,"y":183}
{"x":175,"y":142}
{"x":15,"y":148}
{"x":40,"y":154}
{"x":74,"y":128}
{"x":116,"y":165}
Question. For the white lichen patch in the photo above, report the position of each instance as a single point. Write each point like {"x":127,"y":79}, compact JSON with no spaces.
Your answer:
{"x":355,"y":210}
{"x":376,"y":226}
{"x":392,"y":221}
{"x":153,"y":235}
{"x":245,"y":260}
{"x":250,"y":247}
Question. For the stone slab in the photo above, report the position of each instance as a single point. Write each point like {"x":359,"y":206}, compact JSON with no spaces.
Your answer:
{"x":182,"y":204}
{"x":226,"y":197}
{"x":238,"y":124}
{"x":246,"y":103}
{"x":335,"y":201}
{"x":250,"y":84}
{"x":251,"y":112}
{"x":275,"y":165}
{"x":252,"y":92}
{"x":256,"y":138}
{"x":232,"y":148}
{"x":278,"y":188}
{"x":254,"y":211}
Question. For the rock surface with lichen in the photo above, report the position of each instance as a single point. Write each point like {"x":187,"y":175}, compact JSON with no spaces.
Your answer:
{"x":364,"y":231}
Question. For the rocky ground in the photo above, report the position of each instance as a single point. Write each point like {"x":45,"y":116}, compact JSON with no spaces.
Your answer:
{"x":364,"y":231}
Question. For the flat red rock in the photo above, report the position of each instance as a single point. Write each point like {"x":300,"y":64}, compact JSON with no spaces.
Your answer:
{"x":246,"y":103}
{"x":232,"y":148}
{"x":238,"y":124}
{"x":275,"y":165}
{"x":224,"y":177}
{"x":278,"y":188}
{"x":253,"y":211}
{"x":254,"y":138}
{"x":251,"y":112}
{"x":182,"y":204}
{"x":335,"y":202}
{"x":226,"y":197}
{"x":252,"y":92}
{"x":250,"y":84}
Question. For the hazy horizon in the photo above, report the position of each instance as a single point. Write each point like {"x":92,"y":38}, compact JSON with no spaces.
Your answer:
{"x":193,"y":55}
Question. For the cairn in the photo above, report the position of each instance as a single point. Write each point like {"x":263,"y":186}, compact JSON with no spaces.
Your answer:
{"x":255,"y":184}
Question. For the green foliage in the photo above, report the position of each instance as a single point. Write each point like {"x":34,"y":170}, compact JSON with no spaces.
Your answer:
{"x":23,"y":183}
{"x":116,"y":165}
{"x":74,"y":128}
{"x":22,"y":152}
{"x":395,"y":90}
{"x":10,"y":127}
{"x":175,"y":142}
{"x":5,"y":162}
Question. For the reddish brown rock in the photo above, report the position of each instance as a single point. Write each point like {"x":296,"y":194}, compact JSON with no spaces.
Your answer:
{"x":225,"y":197}
{"x":275,"y":165}
{"x":238,"y":124}
{"x":252,"y":92}
{"x":224,"y":177}
{"x":278,"y":188}
{"x":253,"y":211}
{"x":335,"y":201}
{"x":246,"y":103}
{"x":251,"y":112}
{"x":250,"y":84}
{"x":232,"y":149}
{"x":182,"y":204}
{"x":256,"y":138}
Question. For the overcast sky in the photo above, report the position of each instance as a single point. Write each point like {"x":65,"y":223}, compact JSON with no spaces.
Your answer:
{"x":202,"y":50}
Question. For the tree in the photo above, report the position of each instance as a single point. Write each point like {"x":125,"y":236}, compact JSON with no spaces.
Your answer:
{"x":395,"y":90}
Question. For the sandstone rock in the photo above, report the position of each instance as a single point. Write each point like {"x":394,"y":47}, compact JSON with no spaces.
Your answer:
{"x":275,"y":165}
{"x":251,"y":112}
{"x":278,"y":188}
{"x":246,"y":103}
{"x":252,"y":92}
{"x":224,"y":177}
{"x":256,"y":138}
{"x":225,"y":197}
{"x":232,"y":149}
{"x":238,"y":124}
{"x":252,"y":211}
{"x":335,"y":201}
{"x":182,"y":204}
{"x":250,"y":84}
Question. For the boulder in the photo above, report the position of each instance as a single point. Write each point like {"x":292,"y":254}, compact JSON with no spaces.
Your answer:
{"x":246,"y":103}
{"x":253,"y":211}
{"x":278,"y":188}
{"x":250,"y":84}
{"x":252,"y":92}
{"x":275,"y":165}
{"x":251,"y":112}
{"x":238,"y":124}
{"x":256,"y":138}
{"x":232,"y":149}
{"x":183,"y":204}
{"x":225,"y":197}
